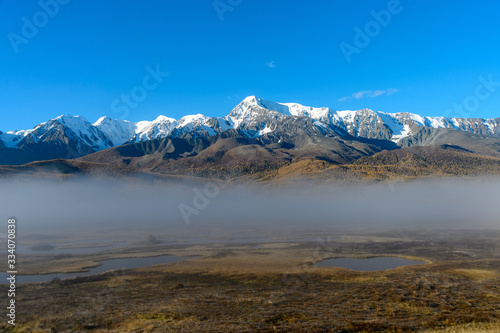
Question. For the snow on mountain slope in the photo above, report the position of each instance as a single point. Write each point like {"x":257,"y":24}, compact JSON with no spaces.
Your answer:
{"x":247,"y":107}
{"x":255,"y":117}
{"x":361,"y":123}
{"x":117,"y":131}
{"x":197,"y":122}
{"x":149,"y":130}
{"x":12,"y":138}
{"x":65,"y":129}
{"x":252,"y":117}
{"x":295,"y":109}
{"x":189,"y":123}
{"x":247,"y":112}
{"x":410,"y":120}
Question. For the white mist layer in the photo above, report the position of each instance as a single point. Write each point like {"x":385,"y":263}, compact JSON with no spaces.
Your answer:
{"x":85,"y":205}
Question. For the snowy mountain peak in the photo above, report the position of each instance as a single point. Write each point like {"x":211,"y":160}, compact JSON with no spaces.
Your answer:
{"x":71,"y":120}
{"x":162,"y":119}
{"x":250,"y":100}
{"x":102,"y":120}
{"x":12,"y":138}
{"x":252,"y":117}
{"x":252,"y":108}
{"x":197,"y":119}
{"x":253,"y":103}
{"x":116,"y":131}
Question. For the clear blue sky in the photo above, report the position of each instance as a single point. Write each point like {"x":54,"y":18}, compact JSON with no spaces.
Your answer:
{"x":426,"y":59}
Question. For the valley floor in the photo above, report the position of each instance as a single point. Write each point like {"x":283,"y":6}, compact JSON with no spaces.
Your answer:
{"x":274,"y":286}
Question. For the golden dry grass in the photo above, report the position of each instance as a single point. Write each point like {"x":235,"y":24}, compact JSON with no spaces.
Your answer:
{"x":240,"y":288}
{"x":470,"y":328}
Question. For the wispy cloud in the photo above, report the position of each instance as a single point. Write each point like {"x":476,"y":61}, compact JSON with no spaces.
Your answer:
{"x":369,"y":94}
{"x":271,"y":64}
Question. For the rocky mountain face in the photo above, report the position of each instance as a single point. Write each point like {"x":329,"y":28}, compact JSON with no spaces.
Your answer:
{"x":253,"y":119}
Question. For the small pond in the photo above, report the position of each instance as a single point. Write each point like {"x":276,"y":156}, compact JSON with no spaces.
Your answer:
{"x":106,"y":265}
{"x":369,"y":264}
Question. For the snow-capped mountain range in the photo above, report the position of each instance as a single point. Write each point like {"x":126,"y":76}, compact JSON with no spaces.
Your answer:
{"x":253,"y":117}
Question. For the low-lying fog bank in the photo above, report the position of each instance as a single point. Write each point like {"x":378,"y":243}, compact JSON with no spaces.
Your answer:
{"x":113,"y":208}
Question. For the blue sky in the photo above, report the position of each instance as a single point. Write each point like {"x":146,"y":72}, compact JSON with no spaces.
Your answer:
{"x":424,"y":57}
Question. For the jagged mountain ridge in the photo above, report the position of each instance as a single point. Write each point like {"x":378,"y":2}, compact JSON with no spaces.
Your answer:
{"x":74,"y":136}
